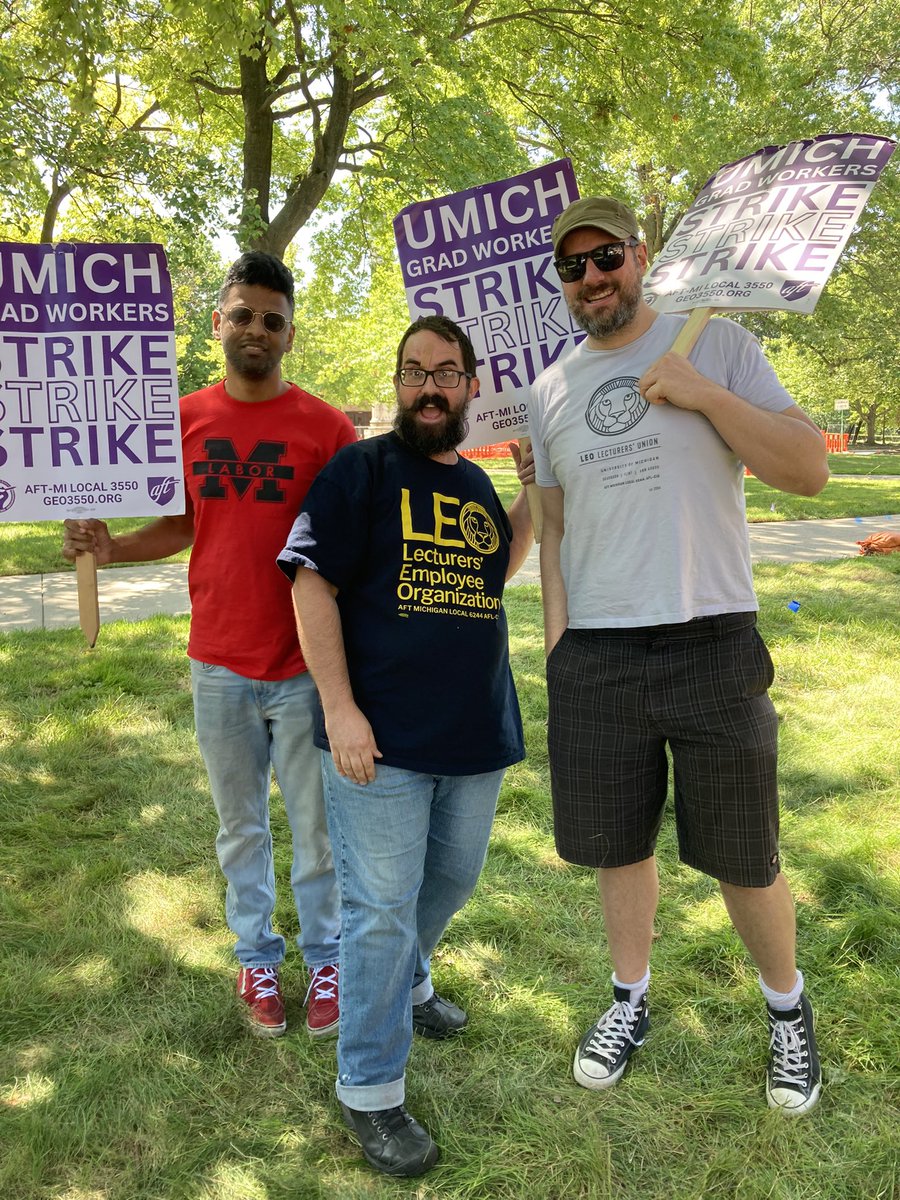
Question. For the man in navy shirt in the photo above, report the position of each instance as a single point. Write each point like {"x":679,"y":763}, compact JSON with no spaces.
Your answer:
{"x":405,"y":548}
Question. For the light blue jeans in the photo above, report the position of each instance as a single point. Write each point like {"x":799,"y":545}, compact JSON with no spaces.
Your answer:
{"x":409,"y":849}
{"x":245,"y":727}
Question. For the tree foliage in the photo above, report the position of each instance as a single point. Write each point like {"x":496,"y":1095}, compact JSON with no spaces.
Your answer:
{"x":176,"y":117}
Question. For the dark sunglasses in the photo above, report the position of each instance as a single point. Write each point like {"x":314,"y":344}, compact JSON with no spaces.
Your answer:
{"x":240,"y":317}
{"x":604,"y":258}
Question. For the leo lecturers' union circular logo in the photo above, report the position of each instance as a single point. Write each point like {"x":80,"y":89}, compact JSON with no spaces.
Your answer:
{"x":7,"y":496}
{"x":616,"y":407}
{"x":478,"y":529}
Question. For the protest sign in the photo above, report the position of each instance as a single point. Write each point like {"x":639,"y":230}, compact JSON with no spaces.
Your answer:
{"x":483,"y":258}
{"x":766,"y":231}
{"x":89,"y":423}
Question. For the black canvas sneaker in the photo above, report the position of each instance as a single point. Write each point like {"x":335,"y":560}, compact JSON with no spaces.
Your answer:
{"x":392,"y":1141}
{"x":794,"y":1077}
{"x":605,"y":1049}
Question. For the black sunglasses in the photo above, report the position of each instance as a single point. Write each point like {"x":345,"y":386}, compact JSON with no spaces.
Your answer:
{"x":605,"y":258}
{"x":241,"y":317}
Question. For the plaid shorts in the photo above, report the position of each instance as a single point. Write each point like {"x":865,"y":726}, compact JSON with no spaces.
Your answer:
{"x":618,"y":697}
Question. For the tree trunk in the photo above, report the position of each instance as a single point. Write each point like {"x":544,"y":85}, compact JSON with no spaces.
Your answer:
{"x":307,"y":191}
{"x":257,"y":150}
{"x":51,"y":212}
{"x":871,"y":418}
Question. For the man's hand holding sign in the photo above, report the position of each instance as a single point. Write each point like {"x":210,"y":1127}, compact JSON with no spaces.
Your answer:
{"x":88,"y":390}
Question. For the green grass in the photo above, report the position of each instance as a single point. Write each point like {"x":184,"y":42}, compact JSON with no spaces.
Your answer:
{"x":864,"y":464}
{"x":851,"y":497}
{"x":125,"y":1073}
{"x":34,"y":549}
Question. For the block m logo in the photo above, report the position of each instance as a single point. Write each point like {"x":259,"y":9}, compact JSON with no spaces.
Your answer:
{"x":260,"y":470}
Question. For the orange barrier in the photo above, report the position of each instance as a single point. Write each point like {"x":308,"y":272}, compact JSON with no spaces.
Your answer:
{"x":836,"y":443}
{"x":498,"y":450}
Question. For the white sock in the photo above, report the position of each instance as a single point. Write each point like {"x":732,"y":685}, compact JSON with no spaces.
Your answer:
{"x":783,"y":1000}
{"x":637,"y":989}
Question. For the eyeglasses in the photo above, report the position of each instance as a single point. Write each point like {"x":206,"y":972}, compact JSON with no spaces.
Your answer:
{"x":240,"y":317}
{"x":605,"y":258}
{"x":415,"y":377}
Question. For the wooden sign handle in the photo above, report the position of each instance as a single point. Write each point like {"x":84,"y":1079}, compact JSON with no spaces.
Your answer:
{"x":533,"y":496}
{"x":88,"y":600}
{"x":693,"y":327}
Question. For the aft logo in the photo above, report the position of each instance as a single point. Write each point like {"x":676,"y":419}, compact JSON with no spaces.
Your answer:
{"x":161,"y":488}
{"x":258,"y":473}
{"x":795,"y":289}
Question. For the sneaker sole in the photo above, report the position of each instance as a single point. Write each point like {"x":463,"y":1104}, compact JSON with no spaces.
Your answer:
{"x":591,"y":1082}
{"x":325,"y":1031}
{"x":265,"y":1031}
{"x":795,"y":1110}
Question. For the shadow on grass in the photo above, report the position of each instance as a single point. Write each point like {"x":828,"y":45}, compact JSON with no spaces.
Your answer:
{"x":127,"y":1071}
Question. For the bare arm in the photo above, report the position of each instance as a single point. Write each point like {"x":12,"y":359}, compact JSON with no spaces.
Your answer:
{"x":784,"y":450}
{"x":553,"y":591}
{"x":518,"y":512}
{"x":322,"y":639}
{"x":157,"y":539}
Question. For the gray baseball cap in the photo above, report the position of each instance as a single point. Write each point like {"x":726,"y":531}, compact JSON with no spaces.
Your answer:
{"x":599,"y":212}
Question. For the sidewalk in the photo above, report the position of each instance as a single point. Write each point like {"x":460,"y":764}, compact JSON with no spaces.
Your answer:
{"x":132,"y":593}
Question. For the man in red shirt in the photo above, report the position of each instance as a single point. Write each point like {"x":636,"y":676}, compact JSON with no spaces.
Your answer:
{"x":253,"y":443}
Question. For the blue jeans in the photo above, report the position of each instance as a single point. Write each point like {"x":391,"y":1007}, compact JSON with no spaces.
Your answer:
{"x":245,"y":727}
{"x":409,"y":849}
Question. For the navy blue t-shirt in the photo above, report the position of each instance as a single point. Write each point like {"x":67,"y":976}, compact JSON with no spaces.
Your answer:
{"x":418,"y":551}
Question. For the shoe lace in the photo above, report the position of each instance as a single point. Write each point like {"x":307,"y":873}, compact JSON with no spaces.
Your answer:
{"x":389,"y":1121}
{"x":264,"y":981}
{"x":790,"y":1052}
{"x":323,"y":983}
{"x":614,"y":1029}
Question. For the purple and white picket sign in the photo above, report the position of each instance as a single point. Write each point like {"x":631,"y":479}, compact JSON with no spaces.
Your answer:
{"x":89,"y":420}
{"x":483,"y":258}
{"x":766,"y":231}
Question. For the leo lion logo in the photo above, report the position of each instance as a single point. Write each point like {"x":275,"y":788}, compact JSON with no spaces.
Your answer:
{"x":616,"y":407}
{"x":478,"y":529}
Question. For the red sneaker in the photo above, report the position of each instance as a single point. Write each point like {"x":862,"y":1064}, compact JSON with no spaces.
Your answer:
{"x":260,"y":991}
{"x":322,"y":1013}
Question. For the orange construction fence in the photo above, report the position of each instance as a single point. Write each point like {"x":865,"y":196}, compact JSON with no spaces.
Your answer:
{"x":498,"y":450}
{"x":835,"y":443}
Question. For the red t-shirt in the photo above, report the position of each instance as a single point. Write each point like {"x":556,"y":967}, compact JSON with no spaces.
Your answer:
{"x":248,"y":467}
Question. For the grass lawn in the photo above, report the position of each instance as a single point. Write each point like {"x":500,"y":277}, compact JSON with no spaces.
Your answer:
{"x":864,"y":494}
{"x":125,"y":1072}
{"x":33,"y":548}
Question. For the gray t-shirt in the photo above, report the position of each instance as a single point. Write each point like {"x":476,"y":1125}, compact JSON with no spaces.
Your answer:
{"x":655,"y":523}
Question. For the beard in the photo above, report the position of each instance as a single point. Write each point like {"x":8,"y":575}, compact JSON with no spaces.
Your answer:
{"x":607,"y":321}
{"x":250,"y":366}
{"x":424,"y":439}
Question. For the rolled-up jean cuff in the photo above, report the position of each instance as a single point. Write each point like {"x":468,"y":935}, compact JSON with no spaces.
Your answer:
{"x":423,"y":991}
{"x":373,"y":1096}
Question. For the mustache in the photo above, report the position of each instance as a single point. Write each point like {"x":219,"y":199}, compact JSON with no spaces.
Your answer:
{"x":435,"y":398}
{"x":589,"y":293}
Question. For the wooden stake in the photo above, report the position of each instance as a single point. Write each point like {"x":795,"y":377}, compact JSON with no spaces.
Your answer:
{"x":694,"y":326}
{"x":88,"y":600}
